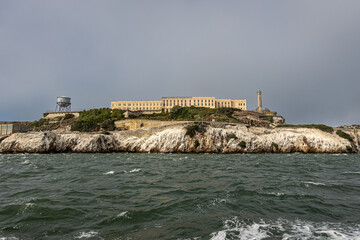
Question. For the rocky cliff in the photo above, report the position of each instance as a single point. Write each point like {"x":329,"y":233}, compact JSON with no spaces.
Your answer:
{"x":225,"y":139}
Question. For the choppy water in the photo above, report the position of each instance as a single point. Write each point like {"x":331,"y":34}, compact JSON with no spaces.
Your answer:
{"x":170,"y":196}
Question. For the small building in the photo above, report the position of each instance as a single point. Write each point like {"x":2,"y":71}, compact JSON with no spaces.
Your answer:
{"x":7,"y":128}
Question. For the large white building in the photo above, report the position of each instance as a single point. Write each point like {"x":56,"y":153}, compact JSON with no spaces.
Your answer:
{"x":167,"y":103}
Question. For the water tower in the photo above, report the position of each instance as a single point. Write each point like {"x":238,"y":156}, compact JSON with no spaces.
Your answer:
{"x":63,"y":104}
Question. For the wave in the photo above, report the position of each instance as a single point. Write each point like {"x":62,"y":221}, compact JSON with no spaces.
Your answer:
{"x":109,"y":173}
{"x":124,"y":214}
{"x":89,"y":234}
{"x":315,"y":183}
{"x":135,"y":170}
{"x":25,"y":162}
{"x":285,"y":229}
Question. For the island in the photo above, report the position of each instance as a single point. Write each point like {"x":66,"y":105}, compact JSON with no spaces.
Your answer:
{"x":184,"y":129}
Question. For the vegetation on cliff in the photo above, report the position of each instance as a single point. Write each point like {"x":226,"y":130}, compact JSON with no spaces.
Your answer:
{"x":191,"y":130}
{"x":92,"y":120}
{"x":194,"y":114}
{"x":40,"y":122}
{"x":343,"y":134}
{"x":321,"y":127}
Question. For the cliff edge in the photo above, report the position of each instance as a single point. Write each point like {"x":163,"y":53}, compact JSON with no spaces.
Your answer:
{"x":176,"y":139}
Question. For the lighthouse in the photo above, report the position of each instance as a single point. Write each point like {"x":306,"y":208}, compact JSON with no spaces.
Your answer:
{"x":259,"y":102}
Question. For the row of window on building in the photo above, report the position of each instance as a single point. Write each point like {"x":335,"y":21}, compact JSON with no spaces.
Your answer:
{"x":137,"y":104}
{"x":185,"y":102}
{"x":141,"y":108}
{"x":205,"y":103}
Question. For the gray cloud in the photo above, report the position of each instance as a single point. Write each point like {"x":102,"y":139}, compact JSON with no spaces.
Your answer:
{"x":304,"y":55}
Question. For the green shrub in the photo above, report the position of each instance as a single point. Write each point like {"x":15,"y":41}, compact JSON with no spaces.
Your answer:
{"x":90,"y":120}
{"x":242,"y":144}
{"x":191,"y":130}
{"x":41,"y":122}
{"x":68,"y":116}
{"x":344,"y":135}
{"x":321,"y":127}
{"x":106,"y":133}
{"x":85,"y":126}
{"x":117,"y":114}
{"x":349,"y":149}
{"x":45,"y":114}
{"x":108,"y":125}
{"x":196,"y":144}
{"x":231,"y":136}
{"x":226,"y":111}
{"x":201,"y":113}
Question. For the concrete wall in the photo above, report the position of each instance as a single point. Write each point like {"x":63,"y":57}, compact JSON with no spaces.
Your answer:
{"x":10,"y":128}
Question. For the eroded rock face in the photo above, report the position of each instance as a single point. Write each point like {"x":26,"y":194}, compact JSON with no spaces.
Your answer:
{"x":229,"y":139}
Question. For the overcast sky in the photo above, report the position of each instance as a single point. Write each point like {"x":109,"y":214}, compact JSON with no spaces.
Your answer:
{"x":303,"y":55}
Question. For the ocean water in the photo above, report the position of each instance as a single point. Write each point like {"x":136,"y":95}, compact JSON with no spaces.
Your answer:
{"x":179,"y":196}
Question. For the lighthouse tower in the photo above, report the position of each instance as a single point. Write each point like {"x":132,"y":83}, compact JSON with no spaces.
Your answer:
{"x":259,"y":102}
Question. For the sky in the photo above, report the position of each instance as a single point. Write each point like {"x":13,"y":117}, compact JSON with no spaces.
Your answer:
{"x":304,"y":55}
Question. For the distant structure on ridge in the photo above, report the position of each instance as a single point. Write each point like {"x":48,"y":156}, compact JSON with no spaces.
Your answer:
{"x":167,"y":103}
{"x":259,"y":102}
{"x":63,"y":104}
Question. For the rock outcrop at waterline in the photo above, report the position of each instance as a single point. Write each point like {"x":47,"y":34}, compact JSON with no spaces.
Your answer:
{"x":225,"y":139}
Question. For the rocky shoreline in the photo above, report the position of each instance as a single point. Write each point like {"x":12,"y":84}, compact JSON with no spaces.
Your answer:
{"x":173,"y":139}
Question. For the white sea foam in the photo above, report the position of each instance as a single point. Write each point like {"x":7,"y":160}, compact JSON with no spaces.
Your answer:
{"x":216,"y":201}
{"x":315,"y":183}
{"x":276,"y":193}
{"x":135,"y":170}
{"x":87,"y":234}
{"x":234,"y":229}
{"x":109,"y":173}
{"x":9,"y":238}
{"x":311,"y":230}
{"x":221,"y":235}
{"x":29,"y":205}
{"x":123,"y":215}
{"x":25,"y":162}
{"x":284,"y":229}
{"x":158,"y":225}
{"x":351,"y":172}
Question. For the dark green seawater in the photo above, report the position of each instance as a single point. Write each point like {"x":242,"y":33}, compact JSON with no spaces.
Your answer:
{"x":171,"y":196}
